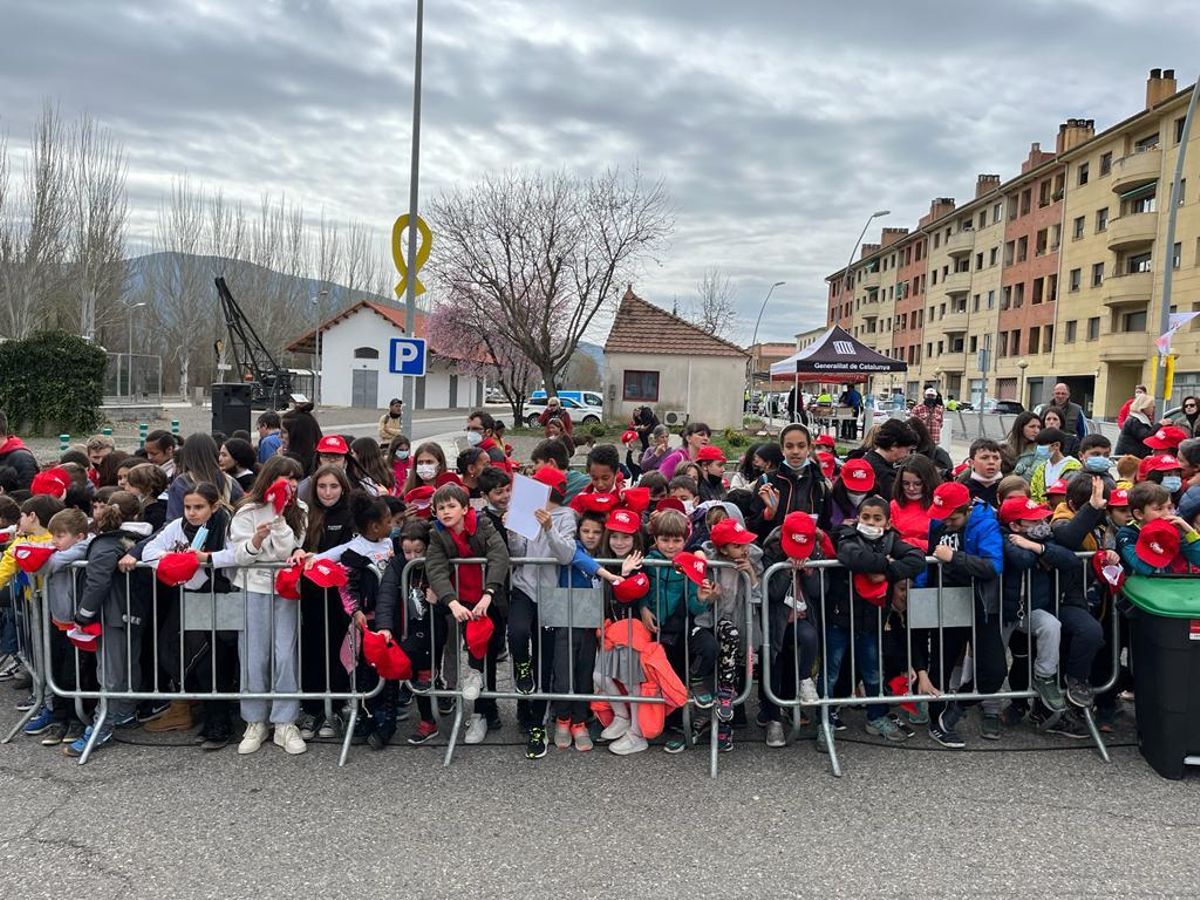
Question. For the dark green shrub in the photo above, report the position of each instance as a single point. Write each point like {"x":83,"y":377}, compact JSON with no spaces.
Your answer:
{"x":51,"y":379}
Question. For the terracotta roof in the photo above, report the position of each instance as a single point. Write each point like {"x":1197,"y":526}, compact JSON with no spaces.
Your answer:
{"x":394,"y":315}
{"x":642,"y":327}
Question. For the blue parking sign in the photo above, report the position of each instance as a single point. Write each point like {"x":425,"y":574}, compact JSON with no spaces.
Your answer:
{"x":406,"y":356}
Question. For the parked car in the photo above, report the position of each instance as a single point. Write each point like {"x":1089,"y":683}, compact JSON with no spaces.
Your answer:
{"x":1003,"y":407}
{"x":587,"y":415}
{"x":584,"y":398}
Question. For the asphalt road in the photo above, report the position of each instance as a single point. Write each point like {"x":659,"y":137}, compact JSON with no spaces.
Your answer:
{"x":1036,"y":815}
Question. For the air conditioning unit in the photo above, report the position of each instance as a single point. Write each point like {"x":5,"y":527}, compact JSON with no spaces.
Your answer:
{"x":675,"y":418}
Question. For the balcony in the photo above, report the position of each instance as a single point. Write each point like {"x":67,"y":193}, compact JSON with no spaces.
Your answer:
{"x":1123,"y":290}
{"x":1136,"y":170}
{"x":870,"y":280}
{"x":957,"y":283}
{"x":961,"y":243}
{"x":1132,"y":230}
{"x":1126,"y":346}
{"x":952,"y":322}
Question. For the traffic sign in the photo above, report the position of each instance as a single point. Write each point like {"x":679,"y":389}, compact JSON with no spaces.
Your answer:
{"x":406,"y":356}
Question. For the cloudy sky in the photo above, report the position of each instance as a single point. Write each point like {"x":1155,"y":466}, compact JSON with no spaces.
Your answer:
{"x":777,"y":125}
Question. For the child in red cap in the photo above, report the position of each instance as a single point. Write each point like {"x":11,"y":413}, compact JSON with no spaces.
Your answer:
{"x":1151,"y":503}
{"x":618,"y":672}
{"x":712,"y":484}
{"x":855,"y":483}
{"x":604,"y":473}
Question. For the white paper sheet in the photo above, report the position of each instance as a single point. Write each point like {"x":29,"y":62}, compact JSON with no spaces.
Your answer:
{"x":528,"y":496}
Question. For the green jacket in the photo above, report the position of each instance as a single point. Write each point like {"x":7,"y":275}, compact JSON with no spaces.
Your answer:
{"x":668,"y":589}
{"x":1037,"y":483}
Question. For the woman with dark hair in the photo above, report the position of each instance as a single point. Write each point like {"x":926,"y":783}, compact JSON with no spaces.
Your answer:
{"x":300,"y":433}
{"x":1056,"y":417}
{"x":368,"y":467}
{"x":1189,"y":416}
{"x":761,"y":460}
{"x":695,"y":436}
{"x":927,"y":448}
{"x":747,"y":472}
{"x":196,"y":463}
{"x":428,"y":463}
{"x":106,"y":471}
{"x":238,"y":460}
{"x":912,"y":497}
{"x":1020,"y":448}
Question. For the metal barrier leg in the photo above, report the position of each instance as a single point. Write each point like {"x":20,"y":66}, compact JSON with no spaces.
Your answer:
{"x":827,"y":736}
{"x":97,"y":727}
{"x":714,"y":733}
{"x":454,"y":729}
{"x":349,"y":734}
{"x":1096,"y":738}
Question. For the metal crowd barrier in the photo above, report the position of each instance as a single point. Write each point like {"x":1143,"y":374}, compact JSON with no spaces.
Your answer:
{"x":223,"y":612}
{"x":940,"y":616}
{"x":27,"y":617}
{"x":587,"y":618}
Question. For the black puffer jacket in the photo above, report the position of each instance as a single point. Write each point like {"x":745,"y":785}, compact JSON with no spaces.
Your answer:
{"x":119,"y":601}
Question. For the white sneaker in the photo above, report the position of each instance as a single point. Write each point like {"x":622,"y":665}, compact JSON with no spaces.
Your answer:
{"x":808,"y":691}
{"x":775,"y":735}
{"x":476,"y":730}
{"x":472,"y":684}
{"x":628,"y":743}
{"x":617,"y":728}
{"x":256,"y":733}
{"x":288,"y":737}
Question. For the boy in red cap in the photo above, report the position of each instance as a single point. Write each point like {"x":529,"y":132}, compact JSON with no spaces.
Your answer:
{"x":1150,"y":504}
{"x":875,"y":559}
{"x":965,"y":539}
{"x":604,"y":473}
{"x":855,"y":483}
{"x":711,"y":460}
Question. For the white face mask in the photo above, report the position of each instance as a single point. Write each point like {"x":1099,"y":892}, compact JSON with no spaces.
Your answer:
{"x":855,"y":497}
{"x":474,"y":438}
{"x":872,"y":532}
{"x":689,"y":506}
{"x":427,"y":471}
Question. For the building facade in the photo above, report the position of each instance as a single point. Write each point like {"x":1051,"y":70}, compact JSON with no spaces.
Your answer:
{"x":1053,"y":275}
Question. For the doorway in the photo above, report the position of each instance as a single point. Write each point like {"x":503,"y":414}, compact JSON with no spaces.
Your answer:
{"x":364,"y":389}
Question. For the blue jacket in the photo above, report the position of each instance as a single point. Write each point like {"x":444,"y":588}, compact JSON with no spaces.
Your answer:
{"x":581,"y":571}
{"x":1041,"y":578}
{"x":1127,"y":539}
{"x":666,"y":598}
{"x":979,"y":559}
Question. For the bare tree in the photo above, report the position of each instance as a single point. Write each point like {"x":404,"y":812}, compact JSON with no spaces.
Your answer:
{"x":360,"y":262}
{"x":715,"y":312}
{"x":99,"y":210}
{"x":184,"y":290}
{"x":539,"y":256}
{"x":327,"y":264}
{"x":582,"y":373}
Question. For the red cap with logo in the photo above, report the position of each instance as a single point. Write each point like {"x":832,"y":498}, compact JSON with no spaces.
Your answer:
{"x":948,"y":497}
{"x":420,"y":498}
{"x":828,"y":463}
{"x":597,"y":503}
{"x":670,"y":503}
{"x":175,"y":569}
{"x":1157,"y":543}
{"x":327,"y":574}
{"x":477,"y":634}
{"x":53,"y":482}
{"x":332,"y":445}
{"x":287,"y":581}
{"x":1059,"y":488}
{"x":1168,"y":437}
{"x":730,"y":531}
{"x":636,"y":498}
{"x":556,"y":479}
{"x":386,"y":657}
{"x":279,"y":494}
{"x":31,"y":557}
{"x":629,"y":436}
{"x":693,"y":565}
{"x":825,"y":440}
{"x":858,"y":476}
{"x":1023,"y":509}
{"x":710,"y":453}
{"x":623,"y":521}
{"x":449,"y":478}
{"x":1162,"y":462}
{"x":1119,"y":498}
{"x":798,"y":535}
{"x":85,"y":636}
{"x":635,"y":587}
{"x":871,"y":591}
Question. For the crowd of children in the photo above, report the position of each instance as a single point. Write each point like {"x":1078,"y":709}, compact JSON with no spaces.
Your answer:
{"x":320,"y":564}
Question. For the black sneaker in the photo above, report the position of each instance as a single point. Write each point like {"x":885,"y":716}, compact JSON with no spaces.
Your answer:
{"x":536,"y":746}
{"x":523,"y":678}
{"x":495,"y":723}
{"x":903,"y":727}
{"x":943,"y":732}
{"x":377,"y":740}
{"x":989,"y":727}
{"x":445,"y":704}
{"x":149,"y":710}
{"x":1080,"y":693}
{"x":53,"y":736}
{"x":724,"y":738}
{"x":724,"y":706}
{"x":426,"y":732}
{"x":835,"y":721}
{"x":75,"y":730}
{"x":1069,"y":725}
{"x":216,"y":738}
{"x":1013,"y":714}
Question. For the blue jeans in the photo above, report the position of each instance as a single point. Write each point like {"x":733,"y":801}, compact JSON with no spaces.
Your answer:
{"x":866,"y":661}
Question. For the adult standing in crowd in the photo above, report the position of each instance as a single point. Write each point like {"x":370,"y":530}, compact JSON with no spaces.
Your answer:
{"x":853,"y":399}
{"x":14,"y":454}
{"x":1124,"y":413}
{"x":894,"y":441}
{"x":556,"y":412}
{"x":1137,"y":428}
{"x":659,"y":449}
{"x":301,"y":434}
{"x":644,"y":423}
{"x":391,"y":423}
{"x":1189,"y":416}
{"x":695,"y":436}
{"x":931,"y":414}
{"x":269,"y":440}
{"x":1074,"y":420}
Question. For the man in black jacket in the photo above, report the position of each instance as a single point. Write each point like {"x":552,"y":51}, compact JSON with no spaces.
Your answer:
{"x":16,"y":456}
{"x":893,"y":442}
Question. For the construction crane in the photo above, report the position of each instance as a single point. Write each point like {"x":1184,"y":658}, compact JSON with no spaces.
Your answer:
{"x":271,"y":384}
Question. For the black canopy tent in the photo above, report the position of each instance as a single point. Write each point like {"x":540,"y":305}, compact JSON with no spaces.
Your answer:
{"x":836,"y":357}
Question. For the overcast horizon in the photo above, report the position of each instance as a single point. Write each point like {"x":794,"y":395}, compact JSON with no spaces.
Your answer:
{"x":777,"y":127}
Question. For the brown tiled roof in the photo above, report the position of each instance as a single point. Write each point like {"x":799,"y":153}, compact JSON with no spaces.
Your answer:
{"x":642,"y":327}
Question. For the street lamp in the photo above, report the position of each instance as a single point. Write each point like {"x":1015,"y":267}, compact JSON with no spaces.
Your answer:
{"x":879,"y":214}
{"x":320,"y":361}
{"x":1022,"y":364}
{"x":754,"y":340}
{"x":130,"y":307}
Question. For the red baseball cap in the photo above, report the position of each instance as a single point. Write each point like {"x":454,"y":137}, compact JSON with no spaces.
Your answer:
{"x":175,"y":569}
{"x":1168,"y":437}
{"x":31,"y":557}
{"x":824,"y":440}
{"x":1023,"y":509}
{"x":477,"y":634}
{"x":948,"y":497}
{"x":420,"y":498}
{"x":629,"y":436}
{"x":670,"y":503}
{"x":84,"y":636}
{"x":635,"y":587}
{"x":636,"y":498}
{"x":624,"y":521}
{"x":871,"y":591}
{"x":448,"y":478}
{"x":287,"y":581}
{"x":692,"y":565}
{"x":332,"y":445}
{"x":730,"y":531}
{"x":710,"y":453}
{"x":386,"y":657}
{"x":598,"y":503}
{"x":53,"y":482}
{"x":1162,"y":462}
{"x":1059,"y":487}
{"x":279,"y":494}
{"x":1119,"y":497}
{"x":858,"y":476}
{"x":828,"y":463}
{"x":327,"y":574}
{"x":798,"y":537}
{"x":1157,"y":543}
{"x":553,"y":477}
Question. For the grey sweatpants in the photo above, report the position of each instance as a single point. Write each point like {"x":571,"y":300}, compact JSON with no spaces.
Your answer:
{"x":1048,"y":631}
{"x":117,"y":647}
{"x":271,"y":625}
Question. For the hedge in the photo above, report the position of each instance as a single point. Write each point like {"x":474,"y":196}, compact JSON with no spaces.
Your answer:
{"x":51,"y":379}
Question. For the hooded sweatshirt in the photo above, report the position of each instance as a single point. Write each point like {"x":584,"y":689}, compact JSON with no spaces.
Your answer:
{"x":558,"y":543}
{"x":15,"y":454}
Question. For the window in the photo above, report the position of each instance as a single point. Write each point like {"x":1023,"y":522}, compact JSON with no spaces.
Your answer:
{"x":1182,"y":190}
{"x":1007,"y":301}
{"x":978,"y":261}
{"x":1102,"y":219}
{"x":1093,"y":328}
{"x":1051,"y":288}
{"x":1071,"y":326}
{"x":1138,"y":262}
{"x":1019,"y":296}
{"x":935,"y":276}
{"x":1105,"y":163}
{"x":1010,"y":249}
{"x":997,"y":212}
{"x":941,"y":347}
{"x":1097,"y":274}
{"x":1149,"y":142}
{"x":1026,"y":201}
{"x":974,"y":343}
{"x":1013,"y":203}
{"x":1004,"y":343}
{"x":1146,"y":203}
{"x":1047,"y":338}
{"x":1044,"y":193}
{"x":1083,"y":174}
{"x":1035,"y":339}
{"x":1015,"y":343}
{"x":920,"y":250}
{"x":983,"y":218}
{"x":975,"y":303}
{"x":1178,"y":253}
{"x":1039,"y":290}
{"x":993,"y":256}
{"x":1076,"y":278}
{"x":640,"y":385}
{"x":366,"y":353}
{"x":1134,"y":321}
{"x":1179,"y":129}
{"x":937,"y":239}
{"x":1077,"y":229}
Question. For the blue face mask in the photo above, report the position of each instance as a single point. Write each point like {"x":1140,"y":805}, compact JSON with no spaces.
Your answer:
{"x":1172,"y":483}
{"x":1097,"y":464}
{"x":397,"y":530}
{"x":1042,"y":451}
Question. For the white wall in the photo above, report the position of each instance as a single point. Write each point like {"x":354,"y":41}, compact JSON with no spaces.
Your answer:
{"x":366,"y":329}
{"x":710,"y":389}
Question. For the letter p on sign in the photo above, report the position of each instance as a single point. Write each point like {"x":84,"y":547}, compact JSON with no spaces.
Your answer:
{"x":406,"y":356}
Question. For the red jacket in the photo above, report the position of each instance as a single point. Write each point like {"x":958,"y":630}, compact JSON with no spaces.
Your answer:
{"x":1124,"y":413}
{"x":661,"y":680}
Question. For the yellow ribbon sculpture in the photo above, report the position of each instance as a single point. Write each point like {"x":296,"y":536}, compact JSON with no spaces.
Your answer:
{"x":426,"y":240}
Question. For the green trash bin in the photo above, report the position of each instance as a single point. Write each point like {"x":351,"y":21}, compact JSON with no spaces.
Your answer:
{"x":1165,"y":632}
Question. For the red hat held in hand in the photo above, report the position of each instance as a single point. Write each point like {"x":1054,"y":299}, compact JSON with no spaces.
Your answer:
{"x":730,"y":531}
{"x":635,"y":587}
{"x":948,"y":497}
{"x":85,"y":636}
{"x":279,"y":494}
{"x":175,"y":569}
{"x":858,"y":476}
{"x":420,"y":498}
{"x":628,"y":437}
{"x":1023,"y":509}
{"x":1157,"y":543}
{"x":31,"y":557}
{"x":693,"y":565}
{"x":598,"y":503}
{"x":1168,"y":437}
{"x":53,"y":482}
{"x":287,"y":581}
{"x":636,"y":499}
{"x":327,"y":574}
{"x":477,"y":634}
{"x":623,"y":521}
{"x":871,"y":591}
{"x":332,"y":445}
{"x":798,"y":537}
{"x":828,"y":464}
{"x":386,"y":657}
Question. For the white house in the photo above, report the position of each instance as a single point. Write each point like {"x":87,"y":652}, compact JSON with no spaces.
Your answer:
{"x":652,"y":358}
{"x":352,"y":352}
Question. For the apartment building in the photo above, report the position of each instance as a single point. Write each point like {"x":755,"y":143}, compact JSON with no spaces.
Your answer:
{"x":1052,"y":272}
